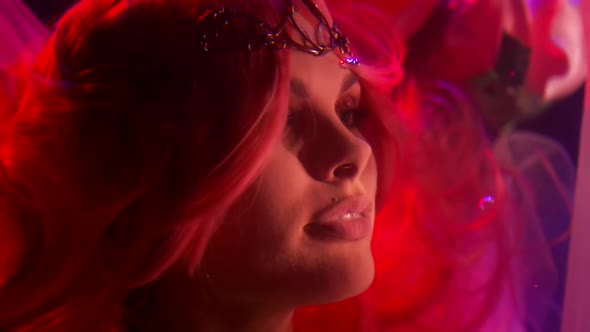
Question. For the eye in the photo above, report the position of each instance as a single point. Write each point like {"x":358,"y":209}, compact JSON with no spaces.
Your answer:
{"x":295,"y":118}
{"x":292,"y":118}
{"x":295,"y":126}
{"x":350,"y":112}
{"x":352,"y":118}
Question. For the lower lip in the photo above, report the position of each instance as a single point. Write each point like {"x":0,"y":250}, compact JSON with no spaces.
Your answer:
{"x":344,"y":230}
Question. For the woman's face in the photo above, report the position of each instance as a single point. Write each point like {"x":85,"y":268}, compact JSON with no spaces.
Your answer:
{"x":301,"y":234}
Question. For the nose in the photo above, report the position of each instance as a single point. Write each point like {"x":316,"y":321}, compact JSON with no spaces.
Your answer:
{"x":335,"y":152}
{"x":347,"y":170}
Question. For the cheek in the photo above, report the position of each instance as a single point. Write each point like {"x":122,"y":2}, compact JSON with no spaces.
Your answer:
{"x":263,"y":220}
{"x":370,"y":176}
{"x":243,"y":256}
{"x":267,"y":219}
{"x":261,"y":252}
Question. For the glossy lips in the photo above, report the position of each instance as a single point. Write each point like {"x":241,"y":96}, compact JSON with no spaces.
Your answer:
{"x":349,"y":220}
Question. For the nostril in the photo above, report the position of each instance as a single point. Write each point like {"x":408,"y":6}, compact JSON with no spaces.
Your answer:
{"x":346,"y":171}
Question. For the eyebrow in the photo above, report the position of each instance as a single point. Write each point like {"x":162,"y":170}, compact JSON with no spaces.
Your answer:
{"x":299,"y":89}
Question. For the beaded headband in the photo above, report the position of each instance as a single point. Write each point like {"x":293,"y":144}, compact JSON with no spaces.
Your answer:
{"x":227,"y":29}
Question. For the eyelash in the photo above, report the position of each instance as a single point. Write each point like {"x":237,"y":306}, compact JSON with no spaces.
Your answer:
{"x":351,"y":117}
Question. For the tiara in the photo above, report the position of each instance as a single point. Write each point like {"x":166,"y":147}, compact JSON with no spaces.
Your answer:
{"x":227,"y":29}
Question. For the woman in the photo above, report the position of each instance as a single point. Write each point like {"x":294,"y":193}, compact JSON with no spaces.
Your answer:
{"x":218,"y":165}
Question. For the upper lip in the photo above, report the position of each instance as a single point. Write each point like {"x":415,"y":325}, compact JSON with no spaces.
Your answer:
{"x":359,"y":205}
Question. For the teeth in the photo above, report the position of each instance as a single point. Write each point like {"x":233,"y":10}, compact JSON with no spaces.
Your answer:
{"x":352,"y":215}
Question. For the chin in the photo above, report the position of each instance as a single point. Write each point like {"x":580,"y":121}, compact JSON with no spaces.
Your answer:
{"x":339,"y":280}
{"x":354,"y":281}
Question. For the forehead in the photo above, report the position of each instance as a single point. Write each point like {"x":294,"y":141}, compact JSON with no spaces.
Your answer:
{"x":313,"y":75}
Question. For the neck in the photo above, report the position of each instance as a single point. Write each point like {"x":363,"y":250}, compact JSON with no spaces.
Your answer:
{"x":176,"y":308}
{"x":242,"y":319}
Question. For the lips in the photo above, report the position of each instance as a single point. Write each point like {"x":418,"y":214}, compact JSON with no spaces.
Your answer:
{"x":349,"y":220}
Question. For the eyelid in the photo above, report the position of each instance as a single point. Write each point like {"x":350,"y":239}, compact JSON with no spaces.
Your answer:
{"x":352,"y":113}
{"x":295,"y":111}
{"x":346,"y":105}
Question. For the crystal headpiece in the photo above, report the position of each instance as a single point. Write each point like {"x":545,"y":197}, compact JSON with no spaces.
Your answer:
{"x":228,"y":29}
